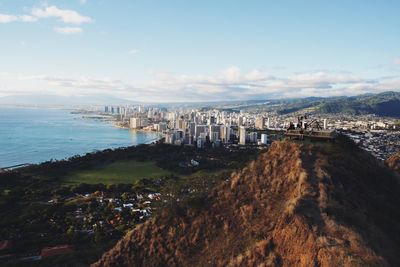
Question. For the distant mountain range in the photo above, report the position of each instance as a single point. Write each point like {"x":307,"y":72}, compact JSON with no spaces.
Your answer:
{"x":383,"y":104}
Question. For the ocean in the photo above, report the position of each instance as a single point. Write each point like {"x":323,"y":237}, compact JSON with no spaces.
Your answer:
{"x":29,"y":135}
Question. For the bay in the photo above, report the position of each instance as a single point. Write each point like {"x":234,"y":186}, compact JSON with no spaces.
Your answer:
{"x":30,"y":135}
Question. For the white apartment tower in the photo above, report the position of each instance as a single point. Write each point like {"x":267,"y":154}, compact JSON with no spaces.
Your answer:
{"x":242,"y":135}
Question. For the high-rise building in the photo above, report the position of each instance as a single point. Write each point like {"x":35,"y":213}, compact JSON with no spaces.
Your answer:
{"x":253,"y":137}
{"x":203,"y":136}
{"x":170,"y":138}
{"x":240,"y":121}
{"x":260,"y":123}
{"x":180,"y":124}
{"x":214,"y":129}
{"x":160,"y":127}
{"x":264,"y":139}
{"x":212,"y":120}
{"x":242,"y":135}
{"x":268,"y":123}
{"x":225,"y":134}
{"x":171,"y":116}
{"x":136,"y":123}
{"x":325,"y":124}
{"x":192,"y":128}
{"x":200,"y":129}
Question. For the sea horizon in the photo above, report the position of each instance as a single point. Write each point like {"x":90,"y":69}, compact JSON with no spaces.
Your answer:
{"x":33,"y":135}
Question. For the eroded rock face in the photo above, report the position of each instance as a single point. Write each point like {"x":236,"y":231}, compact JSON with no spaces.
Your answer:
{"x":394,"y":162}
{"x":296,"y":205}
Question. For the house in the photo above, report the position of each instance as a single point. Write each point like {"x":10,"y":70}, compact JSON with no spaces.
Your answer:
{"x":155,"y":196}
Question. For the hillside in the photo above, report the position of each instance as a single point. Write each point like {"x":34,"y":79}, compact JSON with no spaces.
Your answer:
{"x":295,"y":205}
{"x":394,"y":162}
{"x":383,"y":104}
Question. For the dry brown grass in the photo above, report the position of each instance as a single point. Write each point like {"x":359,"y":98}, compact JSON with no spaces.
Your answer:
{"x":394,"y":162}
{"x":295,"y":205}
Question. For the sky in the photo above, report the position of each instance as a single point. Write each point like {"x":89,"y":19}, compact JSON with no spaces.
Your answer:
{"x":177,"y":50}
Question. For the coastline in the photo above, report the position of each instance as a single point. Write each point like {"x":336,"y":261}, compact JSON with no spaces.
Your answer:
{"x":24,"y":165}
{"x":34,"y":136}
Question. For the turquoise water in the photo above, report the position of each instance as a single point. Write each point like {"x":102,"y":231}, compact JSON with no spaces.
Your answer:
{"x":37,"y":135}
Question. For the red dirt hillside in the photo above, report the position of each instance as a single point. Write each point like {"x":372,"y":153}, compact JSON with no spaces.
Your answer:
{"x":394,"y":162}
{"x":296,"y":205}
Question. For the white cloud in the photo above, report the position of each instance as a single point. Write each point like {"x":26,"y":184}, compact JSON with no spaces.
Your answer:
{"x":82,"y":2}
{"x":27,"y":18}
{"x":231,"y":83}
{"x":64,"y":15}
{"x":4,"y":18}
{"x":68,"y":30}
{"x":230,"y":75}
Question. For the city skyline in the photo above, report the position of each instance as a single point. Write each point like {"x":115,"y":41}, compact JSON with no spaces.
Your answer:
{"x":156,"y":51}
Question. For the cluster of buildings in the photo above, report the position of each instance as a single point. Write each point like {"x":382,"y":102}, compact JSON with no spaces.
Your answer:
{"x":195,"y":127}
{"x":112,"y":211}
{"x":213,"y":127}
{"x":216,"y":127}
{"x":98,"y":212}
{"x":362,"y":123}
{"x":380,"y":143}
{"x":376,"y":135}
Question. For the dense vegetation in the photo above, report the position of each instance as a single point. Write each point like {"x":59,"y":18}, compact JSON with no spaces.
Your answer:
{"x":297,"y":204}
{"x":384,"y":104}
{"x":45,"y":205}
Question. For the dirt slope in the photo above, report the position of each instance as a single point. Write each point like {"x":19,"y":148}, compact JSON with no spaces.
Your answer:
{"x":296,"y":205}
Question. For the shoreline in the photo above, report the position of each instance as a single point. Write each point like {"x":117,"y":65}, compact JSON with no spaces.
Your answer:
{"x":24,"y":165}
{"x":41,"y":156}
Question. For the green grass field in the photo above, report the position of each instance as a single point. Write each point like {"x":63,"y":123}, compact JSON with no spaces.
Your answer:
{"x":118,"y":172}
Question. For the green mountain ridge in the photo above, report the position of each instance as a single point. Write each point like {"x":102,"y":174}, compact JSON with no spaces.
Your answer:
{"x":385,"y":104}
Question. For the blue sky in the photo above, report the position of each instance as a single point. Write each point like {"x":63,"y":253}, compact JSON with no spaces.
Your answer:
{"x":197,"y":50}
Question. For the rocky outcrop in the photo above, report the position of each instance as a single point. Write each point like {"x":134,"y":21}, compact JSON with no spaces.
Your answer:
{"x":296,"y":205}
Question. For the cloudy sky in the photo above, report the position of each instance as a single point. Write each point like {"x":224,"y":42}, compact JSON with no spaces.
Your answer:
{"x":180,"y":50}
